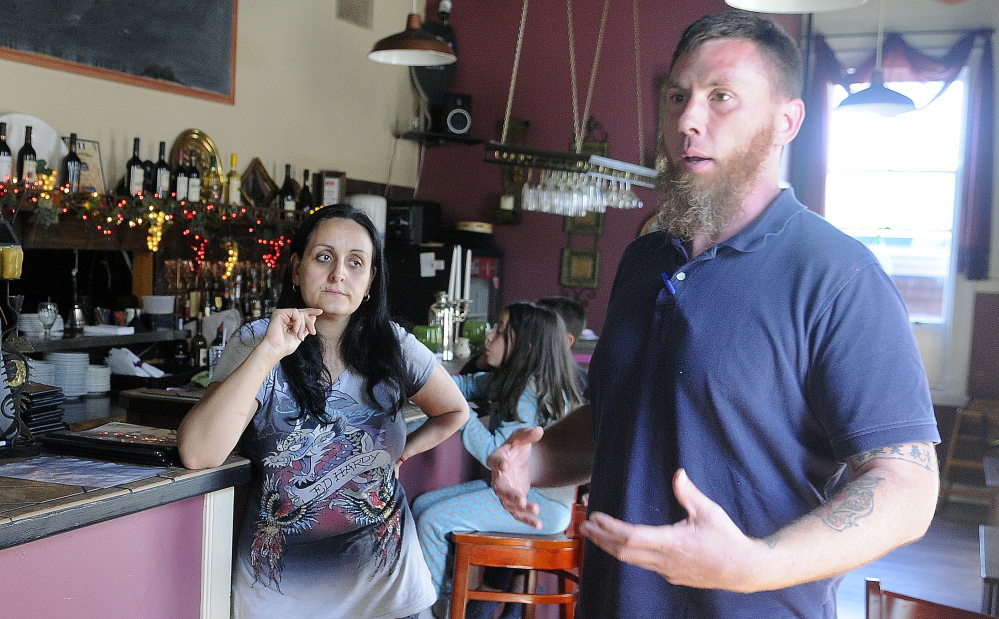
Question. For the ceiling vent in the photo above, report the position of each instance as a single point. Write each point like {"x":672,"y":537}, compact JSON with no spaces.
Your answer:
{"x":358,"y":12}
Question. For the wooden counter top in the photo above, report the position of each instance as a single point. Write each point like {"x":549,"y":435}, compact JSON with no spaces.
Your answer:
{"x":30,"y":510}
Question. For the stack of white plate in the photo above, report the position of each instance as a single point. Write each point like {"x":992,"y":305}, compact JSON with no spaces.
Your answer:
{"x":41,"y":372}
{"x":29,"y":325}
{"x":98,"y":379}
{"x":70,"y":372}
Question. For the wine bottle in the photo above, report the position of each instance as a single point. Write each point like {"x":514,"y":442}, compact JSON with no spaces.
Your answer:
{"x":182,"y":180}
{"x":254,"y":301}
{"x":211,"y":189}
{"x":69,"y":172}
{"x":27,"y":161}
{"x":193,"y":179}
{"x":148,"y":177}
{"x":199,"y":347}
{"x":134,"y":173}
{"x":6,"y":157}
{"x":162,"y":175}
{"x":233,"y":183}
{"x":286,"y":196}
{"x":305,"y":196}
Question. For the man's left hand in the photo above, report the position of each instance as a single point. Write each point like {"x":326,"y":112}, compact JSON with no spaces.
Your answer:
{"x":705,"y":550}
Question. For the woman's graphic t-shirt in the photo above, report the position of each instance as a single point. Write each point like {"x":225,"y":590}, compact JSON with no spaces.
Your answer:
{"x":327,"y":531}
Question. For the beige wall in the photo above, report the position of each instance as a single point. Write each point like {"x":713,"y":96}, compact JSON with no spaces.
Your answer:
{"x":306,"y":94}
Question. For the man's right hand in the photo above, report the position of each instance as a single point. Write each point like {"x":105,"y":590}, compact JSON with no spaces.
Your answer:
{"x":511,"y":470}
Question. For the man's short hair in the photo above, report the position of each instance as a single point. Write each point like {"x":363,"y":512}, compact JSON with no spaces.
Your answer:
{"x":572,"y":312}
{"x":773,"y":42}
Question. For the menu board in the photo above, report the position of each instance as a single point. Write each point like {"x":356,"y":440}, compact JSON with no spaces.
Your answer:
{"x":183,"y":46}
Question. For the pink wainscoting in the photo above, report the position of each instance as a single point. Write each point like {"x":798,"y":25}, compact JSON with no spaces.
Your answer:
{"x":444,"y":465}
{"x":142,"y":566}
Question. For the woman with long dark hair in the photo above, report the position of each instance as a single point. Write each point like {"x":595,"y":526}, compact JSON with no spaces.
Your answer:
{"x":313,"y":396}
{"x":534,"y":383}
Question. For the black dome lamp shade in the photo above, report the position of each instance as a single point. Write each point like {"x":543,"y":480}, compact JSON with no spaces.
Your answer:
{"x":877,"y":98}
{"x":413,"y":47}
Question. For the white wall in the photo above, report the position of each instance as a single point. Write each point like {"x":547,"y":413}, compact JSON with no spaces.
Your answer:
{"x":946,"y":355}
{"x":306,"y":94}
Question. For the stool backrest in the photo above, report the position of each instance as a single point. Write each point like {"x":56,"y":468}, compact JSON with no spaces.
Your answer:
{"x":888,"y":605}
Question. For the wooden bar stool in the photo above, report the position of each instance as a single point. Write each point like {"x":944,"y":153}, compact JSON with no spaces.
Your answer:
{"x":561,"y":555}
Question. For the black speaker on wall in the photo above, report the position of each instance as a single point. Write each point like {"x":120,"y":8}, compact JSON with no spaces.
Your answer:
{"x":454,"y":116}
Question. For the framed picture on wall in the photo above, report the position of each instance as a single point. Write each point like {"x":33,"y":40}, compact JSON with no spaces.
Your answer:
{"x":91,"y":170}
{"x":328,"y":187}
{"x":580,"y":268}
{"x":591,"y":223}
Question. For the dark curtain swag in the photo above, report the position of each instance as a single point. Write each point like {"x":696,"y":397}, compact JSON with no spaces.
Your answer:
{"x":902,"y":62}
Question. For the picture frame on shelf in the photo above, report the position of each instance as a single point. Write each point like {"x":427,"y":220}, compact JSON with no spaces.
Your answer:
{"x":580,"y":268}
{"x":258,"y":188}
{"x":591,"y":223}
{"x":328,"y":187}
{"x":91,"y":168}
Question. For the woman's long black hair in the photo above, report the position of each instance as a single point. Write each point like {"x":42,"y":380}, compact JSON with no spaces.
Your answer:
{"x":536,"y":348}
{"x":369,"y":344}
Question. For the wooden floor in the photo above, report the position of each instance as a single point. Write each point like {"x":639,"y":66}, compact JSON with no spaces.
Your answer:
{"x":943,"y":566}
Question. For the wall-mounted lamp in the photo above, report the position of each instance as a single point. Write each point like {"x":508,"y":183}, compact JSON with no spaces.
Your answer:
{"x":413,"y":47}
{"x":794,"y":6}
{"x":877,"y":98}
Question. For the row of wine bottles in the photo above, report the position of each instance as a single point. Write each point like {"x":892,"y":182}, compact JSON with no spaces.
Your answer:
{"x":184,"y":182}
{"x":144,"y":177}
{"x":22,"y":170}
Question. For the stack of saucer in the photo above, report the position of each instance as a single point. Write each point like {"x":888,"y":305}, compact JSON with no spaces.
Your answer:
{"x":98,"y":379}
{"x":29,"y":325}
{"x":70,"y":372}
{"x":42,"y":372}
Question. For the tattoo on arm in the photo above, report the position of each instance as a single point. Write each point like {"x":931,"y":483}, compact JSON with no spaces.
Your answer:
{"x":922,"y":454}
{"x":855,"y":501}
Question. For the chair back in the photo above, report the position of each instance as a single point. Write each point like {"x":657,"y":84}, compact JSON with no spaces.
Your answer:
{"x":883,"y":604}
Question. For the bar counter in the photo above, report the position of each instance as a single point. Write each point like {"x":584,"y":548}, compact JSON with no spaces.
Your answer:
{"x":156,"y":547}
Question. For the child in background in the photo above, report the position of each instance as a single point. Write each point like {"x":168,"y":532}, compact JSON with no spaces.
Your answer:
{"x":573,"y":314}
{"x":534,"y":383}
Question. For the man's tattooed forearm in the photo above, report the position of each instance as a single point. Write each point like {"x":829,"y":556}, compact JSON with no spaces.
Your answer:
{"x":853,"y":503}
{"x":922,"y":454}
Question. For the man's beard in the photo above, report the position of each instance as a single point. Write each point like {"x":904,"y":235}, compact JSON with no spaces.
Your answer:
{"x":704,"y":205}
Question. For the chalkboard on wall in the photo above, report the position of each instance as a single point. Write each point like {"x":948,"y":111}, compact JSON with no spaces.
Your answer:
{"x":182,"y":46}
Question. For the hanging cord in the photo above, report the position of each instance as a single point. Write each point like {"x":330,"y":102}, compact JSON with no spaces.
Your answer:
{"x":579,"y":123}
{"x":881,"y":37}
{"x":513,"y":76}
{"x":638,"y":85}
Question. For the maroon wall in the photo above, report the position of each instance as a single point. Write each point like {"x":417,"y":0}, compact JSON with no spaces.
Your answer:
{"x":469,"y":189}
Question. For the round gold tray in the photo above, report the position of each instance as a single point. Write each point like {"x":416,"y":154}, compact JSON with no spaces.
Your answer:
{"x":197,"y":141}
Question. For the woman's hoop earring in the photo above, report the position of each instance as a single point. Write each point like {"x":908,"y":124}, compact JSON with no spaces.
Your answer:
{"x":366,"y":298}
{"x":294,"y":287}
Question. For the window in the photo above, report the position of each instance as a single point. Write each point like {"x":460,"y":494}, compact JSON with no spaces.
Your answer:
{"x":892,"y":183}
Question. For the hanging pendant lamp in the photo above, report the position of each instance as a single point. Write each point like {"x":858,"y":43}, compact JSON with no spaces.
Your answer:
{"x":794,"y":6}
{"x":877,"y":98}
{"x":413,"y":47}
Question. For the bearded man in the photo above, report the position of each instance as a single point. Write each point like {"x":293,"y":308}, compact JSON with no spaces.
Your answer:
{"x":759,"y":420}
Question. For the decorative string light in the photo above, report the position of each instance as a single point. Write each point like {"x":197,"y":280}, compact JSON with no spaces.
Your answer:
{"x":231,"y":257}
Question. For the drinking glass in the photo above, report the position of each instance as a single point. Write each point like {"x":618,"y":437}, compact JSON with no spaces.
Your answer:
{"x":475,"y":331}
{"x":47,"y":313}
{"x":429,"y":336}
